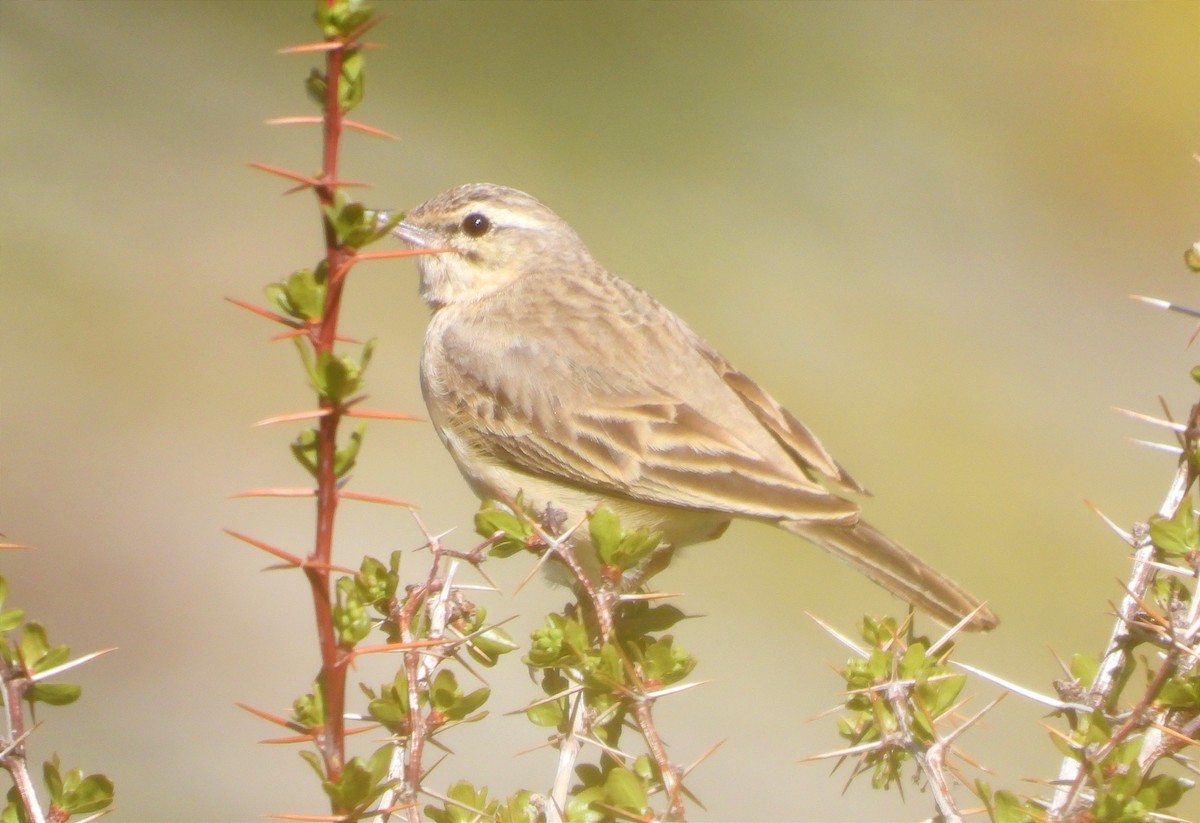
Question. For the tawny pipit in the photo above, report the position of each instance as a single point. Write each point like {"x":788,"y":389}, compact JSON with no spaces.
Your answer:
{"x":547,"y":375}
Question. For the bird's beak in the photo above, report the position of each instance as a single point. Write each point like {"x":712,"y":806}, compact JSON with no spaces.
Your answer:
{"x":414,"y":235}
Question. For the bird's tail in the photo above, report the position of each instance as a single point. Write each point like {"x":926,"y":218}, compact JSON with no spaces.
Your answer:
{"x":898,"y":570}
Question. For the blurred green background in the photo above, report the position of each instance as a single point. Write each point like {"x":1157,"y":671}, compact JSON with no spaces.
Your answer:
{"x":917,"y":224}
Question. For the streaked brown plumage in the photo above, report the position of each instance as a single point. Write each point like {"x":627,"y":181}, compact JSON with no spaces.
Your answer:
{"x":546,"y":374}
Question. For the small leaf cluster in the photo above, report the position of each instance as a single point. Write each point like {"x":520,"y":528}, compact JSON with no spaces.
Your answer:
{"x":898,"y":667}
{"x":609,"y":787}
{"x":1120,"y":788}
{"x":365,"y":599}
{"x":369,"y":600}
{"x":509,"y":532}
{"x":362,"y":782}
{"x":570,"y":659}
{"x":1176,"y":537}
{"x":31,"y":655}
{"x":1121,"y":791}
{"x":341,"y":20}
{"x":468,"y":804}
{"x":70,"y":794}
{"x":25,"y":659}
{"x":301,"y":295}
{"x":484,"y":643}
{"x":390,"y":706}
{"x":620,"y":549}
{"x":1145,"y":703}
{"x":1004,"y":806}
{"x":336,"y":378}
{"x":355,"y":226}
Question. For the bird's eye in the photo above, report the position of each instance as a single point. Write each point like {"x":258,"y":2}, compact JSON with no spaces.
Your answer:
{"x":476,"y":225}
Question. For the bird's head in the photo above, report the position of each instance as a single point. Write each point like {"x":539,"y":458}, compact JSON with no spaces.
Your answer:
{"x":489,"y":236}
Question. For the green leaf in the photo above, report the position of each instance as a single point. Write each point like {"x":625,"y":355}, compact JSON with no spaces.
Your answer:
{"x":444,"y":691}
{"x":11,"y":619}
{"x":350,"y":616}
{"x":1065,"y":747}
{"x":467,"y":807}
{"x":383,"y":221}
{"x":53,"y":780}
{"x":1191,"y":258}
{"x":55,"y":656}
{"x":1180,"y":693}
{"x":579,"y":806}
{"x":1008,"y":808}
{"x":519,"y":808}
{"x":368,"y":351}
{"x":341,"y":18}
{"x":605,"y":670}
{"x":914,"y":662}
{"x":939,"y":695}
{"x":310,"y":366}
{"x":392,"y":707}
{"x":379,"y":761}
{"x":91,"y":794}
{"x":635,"y":546}
{"x":1084,"y":668}
{"x":301,"y":295}
{"x":488,"y":645}
{"x":1161,"y":792}
{"x":362,"y":781}
{"x":337,"y":376}
{"x":666,"y":663}
{"x":625,"y":790}
{"x":352,"y":224}
{"x":33,"y":645}
{"x":468,"y":704}
{"x":376,"y":584}
{"x":1177,"y":536}
{"x":637,"y":618}
{"x":353,"y":787}
{"x":314,"y":760}
{"x":491,"y":518}
{"x":353,"y":85}
{"x":53,"y":694}
{"x":304,"y":449}
{"x":387,"y":711}
{"x":314,"y":87}
{"x":549,"y":714}
{"x":309,"y":710}
{"x":605,"y":531}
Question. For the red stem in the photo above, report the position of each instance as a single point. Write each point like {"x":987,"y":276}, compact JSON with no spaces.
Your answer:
{"x":331,"y":739}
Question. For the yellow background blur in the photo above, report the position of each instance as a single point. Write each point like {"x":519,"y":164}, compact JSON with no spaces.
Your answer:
{"x":916,"y":224}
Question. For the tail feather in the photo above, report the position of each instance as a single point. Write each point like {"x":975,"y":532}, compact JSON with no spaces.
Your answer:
{"x":898,"y":570}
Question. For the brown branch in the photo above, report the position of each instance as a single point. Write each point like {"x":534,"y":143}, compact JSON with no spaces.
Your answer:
{"x":14,"y":760}
{"x":1069,"y":794}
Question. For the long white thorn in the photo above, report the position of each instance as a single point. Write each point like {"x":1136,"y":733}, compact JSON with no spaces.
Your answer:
{"x":1154,"y":421}
{"x":1169,"y":448}
{"x":1167,"y":305}
{"x":1024,"y":692}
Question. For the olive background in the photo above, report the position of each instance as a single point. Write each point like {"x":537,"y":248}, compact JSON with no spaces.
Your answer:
{"x":916,"y":224}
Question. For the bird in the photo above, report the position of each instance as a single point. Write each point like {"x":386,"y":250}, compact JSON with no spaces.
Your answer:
{"x":545,"y":375}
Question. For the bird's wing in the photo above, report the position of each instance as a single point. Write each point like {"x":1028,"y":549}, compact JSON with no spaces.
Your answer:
{"x":630,"y":405}
{"x":793,"y":435}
